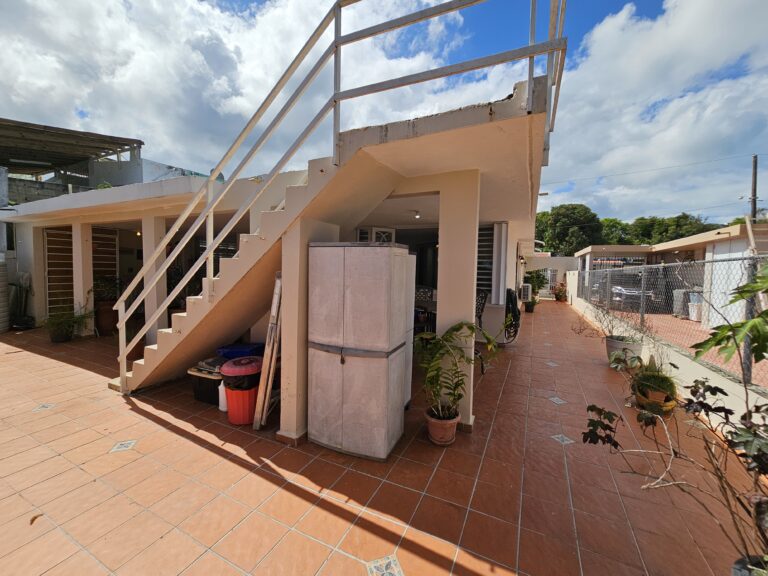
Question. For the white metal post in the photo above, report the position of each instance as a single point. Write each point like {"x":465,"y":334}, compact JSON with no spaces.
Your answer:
{"x":208,"y":241}
{"x":123,"y":352}
{"x":336,"y":83}
{"x":531,"y":42}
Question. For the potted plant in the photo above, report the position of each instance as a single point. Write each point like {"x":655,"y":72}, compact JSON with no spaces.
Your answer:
{"x":621,"y":330}
{"x":444,"y":359}
{"x":731,"y":454}
{"x":561,"y":292}
{"x":106,"y":290}
{"x":62,"y":326}
{"x":654,"y":390}
{"x":530,"y":306}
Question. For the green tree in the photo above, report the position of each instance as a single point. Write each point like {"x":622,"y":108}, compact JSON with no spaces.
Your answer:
{"x":571,"y":228}
{"x":542,"y":227}
{"x":616,"y":231}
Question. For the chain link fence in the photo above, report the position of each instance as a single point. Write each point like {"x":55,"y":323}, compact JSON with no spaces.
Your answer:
{"x":679,"y":303}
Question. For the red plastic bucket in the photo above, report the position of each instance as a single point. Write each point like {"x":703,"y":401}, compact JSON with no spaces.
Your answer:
{"x":240,"y":405}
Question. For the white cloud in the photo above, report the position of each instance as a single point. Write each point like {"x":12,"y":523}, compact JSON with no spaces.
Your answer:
{"x":184,"y":75}
{"x":688,"y":86}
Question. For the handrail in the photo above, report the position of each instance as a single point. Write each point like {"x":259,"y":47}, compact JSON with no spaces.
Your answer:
{"x":151,"y":273}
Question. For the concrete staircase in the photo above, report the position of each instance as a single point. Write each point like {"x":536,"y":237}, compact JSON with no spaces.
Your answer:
{"x":242,"y":292}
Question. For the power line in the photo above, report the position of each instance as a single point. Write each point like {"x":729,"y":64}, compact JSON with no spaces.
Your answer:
{"x":647,"y":170}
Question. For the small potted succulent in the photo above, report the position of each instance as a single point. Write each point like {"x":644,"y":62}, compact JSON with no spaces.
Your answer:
{"x":654,"y":390}
{"x":445,"y":359}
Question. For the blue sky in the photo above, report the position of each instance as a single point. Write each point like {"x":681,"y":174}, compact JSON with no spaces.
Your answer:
{"x":648,"y":85}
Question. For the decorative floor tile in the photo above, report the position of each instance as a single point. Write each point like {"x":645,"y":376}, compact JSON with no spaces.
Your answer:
{"x":562,"y":438}
{"x":387,"y":566}
{"x":123,"y":446}
{"x":552,"y":364}
{"x":557,"y":400}
{"x":42,"y":407}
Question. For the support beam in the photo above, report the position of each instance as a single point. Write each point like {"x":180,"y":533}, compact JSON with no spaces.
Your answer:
{"x":457,"y":264}
{"x":82,"y":269}
{"x":152,"y":232}
{"x":293,"y":339}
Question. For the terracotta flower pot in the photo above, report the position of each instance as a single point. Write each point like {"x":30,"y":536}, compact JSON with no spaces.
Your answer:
{"x":442,"y":432}
{"x":644,"y":401}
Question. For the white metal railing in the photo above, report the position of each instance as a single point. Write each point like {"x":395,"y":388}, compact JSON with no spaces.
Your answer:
{"x":153,"y":271}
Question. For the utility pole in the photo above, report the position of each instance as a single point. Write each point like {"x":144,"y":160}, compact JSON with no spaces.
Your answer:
{"x":753,"y":198}
{"x":749,"y":306}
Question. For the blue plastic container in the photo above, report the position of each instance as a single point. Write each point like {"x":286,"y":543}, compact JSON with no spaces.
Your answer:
{"x":240,"y":350}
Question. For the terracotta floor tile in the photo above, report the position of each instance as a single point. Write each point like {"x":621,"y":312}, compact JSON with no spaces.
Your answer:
{"x":169,"y":555}
{"x":12,"y":507}
{"x":38,"y":473}
{"x":85,"y":452}
{"x":25,"y":459}
{"x":224,"y":475}
{"x":255,"y":488}
{"x":461,"y":463}
{"x":110,"y":462}
{"x":197,"y":462}
{"x":548,"y":518}
{"x":438,"y":518}
{"x":500,"y":473}
{"x":126,"y":541}
{"x":410,"y":474}
{"x":288,"y":461}
{"x":156,"y":487}
{"x":394,"y":502}
{"x":132,"y":473}
{"x":424,"y":453}
{"x":490,"y":537}
{"x":542,"y":555}
{"x":504,"y":504}
{"x":214,"y":520}
{"x":451,"y":486}
{"x":56,"y":486}
{"x":354,"y":488}
{"x":79,"y":500}
{"x":289,"y":503}
{"x":59,"y":431}
{"x":372,"y":537}
{"x":614,"y":540}
{"x":19,"y":531}
{"x":319,"y":475}
{"x":469,"y":564}
{"x":183,"y":502}
{"x":210,"y":565}
{"x":18,"y":445}
{"x":247,"y":544}
{"x":73,"y":441}
{"x":101,"y":519}
{"x":81,"y":564}
{"x":295,"y":555}
{"x":338,"y":564}
{"x":422,"y":554}
{"x":373,"y":468}
{"x":596,"y":565}
{"x":328,"y":521}
{"x":665,"y":555}
{"x":597,"y":502}
{"x":39,"y":555}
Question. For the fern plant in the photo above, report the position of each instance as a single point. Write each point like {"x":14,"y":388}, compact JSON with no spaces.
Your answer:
{"x":444,"y":359}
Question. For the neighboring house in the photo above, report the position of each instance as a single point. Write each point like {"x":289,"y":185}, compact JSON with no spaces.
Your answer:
{"x":465,"y":182}
{"x":712,"y":263}
{"x":555,"y":268}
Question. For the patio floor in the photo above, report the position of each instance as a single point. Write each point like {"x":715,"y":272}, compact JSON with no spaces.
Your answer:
{"x":194,"y":495}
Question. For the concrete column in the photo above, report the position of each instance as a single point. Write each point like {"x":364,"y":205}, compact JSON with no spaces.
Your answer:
{"x":293,"y":339}
{"x":457,"y":262}
{"x":82,"y":269}
{"x":152,"y":232}
{"x":3,"y":203}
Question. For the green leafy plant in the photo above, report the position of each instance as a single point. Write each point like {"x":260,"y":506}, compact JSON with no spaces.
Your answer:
{"x":537,"y":279}
{"x":106,"y":288}
{"x":444,"y":359}
{"x":62,"y":326}
{"x":733,"y":455}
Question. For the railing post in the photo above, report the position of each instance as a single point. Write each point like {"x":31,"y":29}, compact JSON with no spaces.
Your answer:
{"x":531,"y":60}
{"x":209,"y":230}
{"x":642,"y":297}
{"x":122,"y":350}
{"x":336,"y":84}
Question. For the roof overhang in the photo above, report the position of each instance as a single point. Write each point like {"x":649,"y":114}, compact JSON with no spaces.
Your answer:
{"x":27,"y":148}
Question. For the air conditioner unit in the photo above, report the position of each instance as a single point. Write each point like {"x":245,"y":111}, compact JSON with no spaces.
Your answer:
{"x":376,"y":234}
{"x":526,"y":293}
